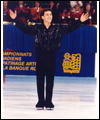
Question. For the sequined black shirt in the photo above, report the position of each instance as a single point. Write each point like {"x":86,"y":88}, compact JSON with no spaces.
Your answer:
{"x":47,"y":40}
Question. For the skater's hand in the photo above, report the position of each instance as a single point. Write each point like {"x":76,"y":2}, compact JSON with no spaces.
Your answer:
{"x":13,"y":15}
{"x":84,"y":17}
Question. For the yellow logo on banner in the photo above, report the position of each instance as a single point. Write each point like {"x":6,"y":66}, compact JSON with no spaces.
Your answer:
{"x":72,"y":63}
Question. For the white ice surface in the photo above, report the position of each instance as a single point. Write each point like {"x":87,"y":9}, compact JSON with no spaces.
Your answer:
{"x":74,"y":98}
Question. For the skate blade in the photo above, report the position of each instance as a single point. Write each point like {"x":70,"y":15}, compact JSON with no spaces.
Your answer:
{"x":49,"y":108}
{"x":40,"y":108}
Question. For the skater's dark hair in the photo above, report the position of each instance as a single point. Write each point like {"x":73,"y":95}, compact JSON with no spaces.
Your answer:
{"x":42,"y":13}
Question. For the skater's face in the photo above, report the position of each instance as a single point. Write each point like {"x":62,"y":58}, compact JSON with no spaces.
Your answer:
{"x":47,"y":17}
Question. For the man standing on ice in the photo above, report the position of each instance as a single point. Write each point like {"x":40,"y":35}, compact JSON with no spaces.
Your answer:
{"x":47,"y":41}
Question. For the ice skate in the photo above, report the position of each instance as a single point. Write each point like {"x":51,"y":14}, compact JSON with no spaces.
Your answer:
{"x":49,"y":105}
{"x":40,"y":105}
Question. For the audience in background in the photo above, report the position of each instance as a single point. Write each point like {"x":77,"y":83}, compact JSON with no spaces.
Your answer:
{"x":6,"y":16}
{"x":51,"y":4}
{"x":53,"y":7}
{"x":91,"y":3}
{"x":88,"y":10}
{"x":22,"y":12}
{"x":94,"y":13}
{"x":34,"y":17}
{"x":63,"y":11}
{"x":38,"y":7}
{"x":76,"y":14}
{"x":93,"y":10}
{"x":64,"y":16}
{"x":66,"y":4}
{"x":55,"y":11}
{"x":73,"y":3}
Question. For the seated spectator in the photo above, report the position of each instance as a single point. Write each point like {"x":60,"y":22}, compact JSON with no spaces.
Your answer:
{"x":6,"y":16}
{"x":88,"y":10}
{"x":34,"y":17}
{"x":22,"y":12}
{"x":73,"y":3}
{"x":77,"y":13}
{"x":64,"y":16}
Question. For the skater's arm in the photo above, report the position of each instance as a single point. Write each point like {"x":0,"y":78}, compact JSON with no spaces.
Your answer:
{"x":65,"y":29}
{"x":25,"y":28}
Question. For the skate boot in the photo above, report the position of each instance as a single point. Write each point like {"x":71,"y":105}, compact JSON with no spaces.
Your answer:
{"x":40,"y":105}
{"x":49,"y":105}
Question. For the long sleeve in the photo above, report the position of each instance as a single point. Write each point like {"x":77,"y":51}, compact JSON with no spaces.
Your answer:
{"x":65,"y":29}
{"x":27,"y":29}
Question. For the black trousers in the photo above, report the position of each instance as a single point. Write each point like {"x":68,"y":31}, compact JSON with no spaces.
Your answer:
{"x":46,"y":63}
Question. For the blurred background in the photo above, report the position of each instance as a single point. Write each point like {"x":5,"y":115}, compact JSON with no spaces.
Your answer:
{"x":63,"y":11}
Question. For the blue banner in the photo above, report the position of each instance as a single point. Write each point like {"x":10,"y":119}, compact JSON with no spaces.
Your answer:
{"x":82,"y":40}
{"x":67,"y":64}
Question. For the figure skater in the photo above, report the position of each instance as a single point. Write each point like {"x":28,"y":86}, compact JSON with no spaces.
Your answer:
{"x":47,"y":41}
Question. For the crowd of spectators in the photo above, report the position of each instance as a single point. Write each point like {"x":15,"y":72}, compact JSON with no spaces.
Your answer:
{"x":63,"y":11}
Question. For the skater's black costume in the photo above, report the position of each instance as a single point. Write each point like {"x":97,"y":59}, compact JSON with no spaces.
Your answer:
{"x":47,"y":42}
